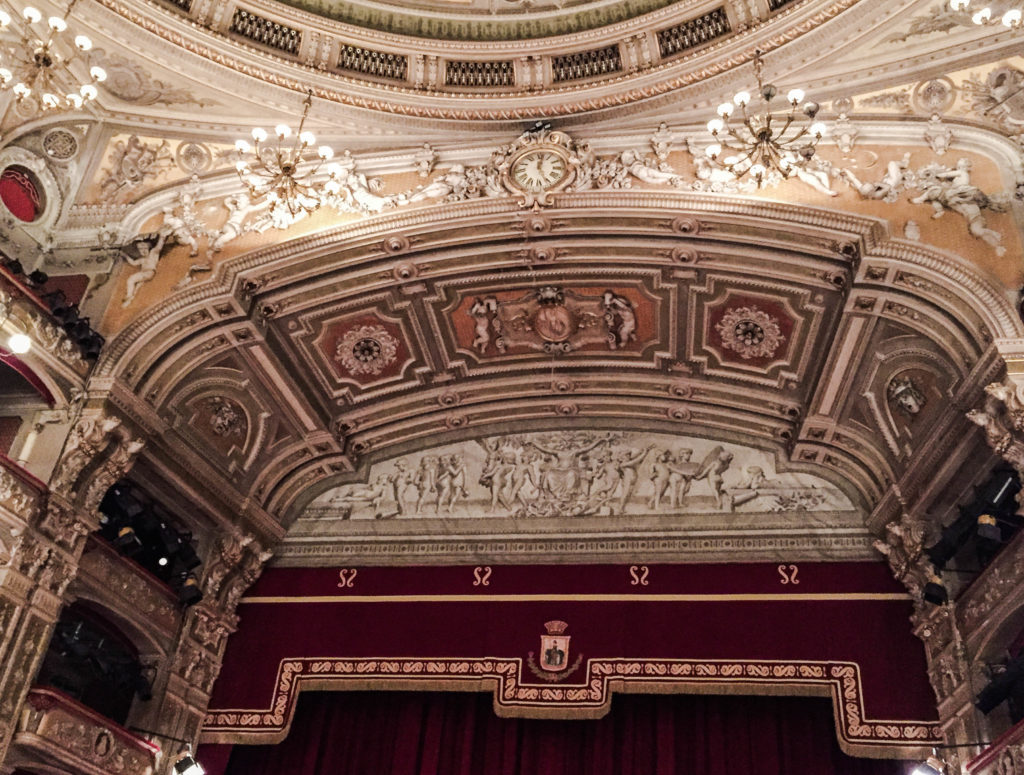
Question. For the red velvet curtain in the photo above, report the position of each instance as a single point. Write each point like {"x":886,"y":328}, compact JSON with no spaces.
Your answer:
{"x":399,"y":733}
{"x":19,"y":194}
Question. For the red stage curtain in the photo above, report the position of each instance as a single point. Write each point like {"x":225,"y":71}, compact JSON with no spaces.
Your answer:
{"x":399,"y":733}
{"x":19,"y":194}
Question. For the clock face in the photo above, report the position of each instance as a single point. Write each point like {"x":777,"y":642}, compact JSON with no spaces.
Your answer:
{"x":538,"y":170}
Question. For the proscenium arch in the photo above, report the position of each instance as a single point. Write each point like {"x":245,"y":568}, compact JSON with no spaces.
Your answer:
{"x":837,"y":261}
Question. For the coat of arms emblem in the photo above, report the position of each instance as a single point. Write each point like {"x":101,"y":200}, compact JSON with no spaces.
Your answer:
{"x":554,"y":320}
{"x":554,"y":647}
{"x":553,"y":664}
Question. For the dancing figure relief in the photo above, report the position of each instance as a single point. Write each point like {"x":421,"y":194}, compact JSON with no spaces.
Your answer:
{"x":570,"y":474}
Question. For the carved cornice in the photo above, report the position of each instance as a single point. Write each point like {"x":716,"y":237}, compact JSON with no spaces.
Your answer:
{"x":721,"y":546}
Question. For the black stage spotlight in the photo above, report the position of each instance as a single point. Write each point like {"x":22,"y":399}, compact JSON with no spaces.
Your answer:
{"x":187,"y":765}
{"x":988,"y":529}
{"x":13,"y":266}
{"x":935,"y":591}
{"x":55,"y":300}
{"x":127,"y":541}
{"x":1010,"y":681}
{"x":933,"y":765}
{"x":189,"y":592}
{"x":37,"y":279}
{"x":92,"y":346}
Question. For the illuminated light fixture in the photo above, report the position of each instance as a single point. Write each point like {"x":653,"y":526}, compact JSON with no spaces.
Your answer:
{"x":186,"y":764}
{"x":759,"y":142}
{"x":41,"y":66}
{"x":1008,"y":14}
{"x":282,"y":171}
{"x":933,"y":765}
{"x":19,"y":344}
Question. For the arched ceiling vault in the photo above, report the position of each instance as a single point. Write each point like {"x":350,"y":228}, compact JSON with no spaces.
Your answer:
{"x":301,"y":368}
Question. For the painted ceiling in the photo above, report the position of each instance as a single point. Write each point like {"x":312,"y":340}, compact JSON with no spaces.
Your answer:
{"x":642,"y":356}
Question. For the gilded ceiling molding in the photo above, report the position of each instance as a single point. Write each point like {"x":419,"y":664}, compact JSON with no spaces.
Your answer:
{"x":672,"y":75}
{"x":420,"y":369}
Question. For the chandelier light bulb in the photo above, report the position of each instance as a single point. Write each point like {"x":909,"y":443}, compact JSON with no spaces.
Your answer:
{"x":19,"y":344}
{"x":98,"y":73}
{"x":959,"y":5}
{"x":83,"y":42}
{"x":1012,"y":17}
{"x":332,"y":187}
{"x":22,"y":90}
{"x":5,"y":19}
{"x":768,"y":146}
{"x":31,"y":14}
{"x":57,"y":24}
{"x":334,"y":170}
{"x":5,"y":75}
{"x":50,"y":100}
{"x":982,"y":16}
{"x":88,"y":91}
{"x":75,"y":100}
{"x":283,"y":175}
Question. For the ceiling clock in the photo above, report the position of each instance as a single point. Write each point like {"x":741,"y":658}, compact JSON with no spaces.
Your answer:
{"x":538,"y":170}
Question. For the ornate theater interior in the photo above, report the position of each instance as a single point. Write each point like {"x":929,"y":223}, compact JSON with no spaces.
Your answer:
{"x":535,"y":387}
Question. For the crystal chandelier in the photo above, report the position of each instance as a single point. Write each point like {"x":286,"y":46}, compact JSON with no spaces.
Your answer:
{"x":280,"y":173}
{"x":1009,"y":13}
{"x":37,"y":64}
{"x":764,"y":144}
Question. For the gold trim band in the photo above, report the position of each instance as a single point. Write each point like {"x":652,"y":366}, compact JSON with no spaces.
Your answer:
{"x":586,"y":598}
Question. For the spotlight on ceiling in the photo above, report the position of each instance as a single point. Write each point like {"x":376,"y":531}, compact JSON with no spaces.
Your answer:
{"x":935,"y":591}
{"x":19,"y":344}
{"x":128,"y":541}
{"x":932,"y":766}
{"x":988,"y":529}
{"x":187,"y":765}
{"x":189,"y":592}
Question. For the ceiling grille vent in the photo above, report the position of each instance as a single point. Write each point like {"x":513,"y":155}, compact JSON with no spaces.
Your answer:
{"x":480,"y":74}
{"x":265,"y":32}
{"x":692,"y":33}
{"x":586,"y":64}
{"x":379,"y":64}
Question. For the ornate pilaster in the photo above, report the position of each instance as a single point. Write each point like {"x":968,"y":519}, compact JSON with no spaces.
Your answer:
{"x":42,"y":535}
{"x":231,"y":570}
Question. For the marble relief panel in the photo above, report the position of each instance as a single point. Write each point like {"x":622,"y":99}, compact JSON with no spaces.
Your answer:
{"x":585,"y":474}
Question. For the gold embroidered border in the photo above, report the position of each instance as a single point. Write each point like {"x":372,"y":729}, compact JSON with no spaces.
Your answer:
{"x":513,"y":697}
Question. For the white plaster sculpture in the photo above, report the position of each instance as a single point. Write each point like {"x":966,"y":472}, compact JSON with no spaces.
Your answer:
{"x":146,"y":263}
{"x":950,"y":189}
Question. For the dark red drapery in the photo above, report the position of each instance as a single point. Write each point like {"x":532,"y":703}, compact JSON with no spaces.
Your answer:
{"x":406,"y":733}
